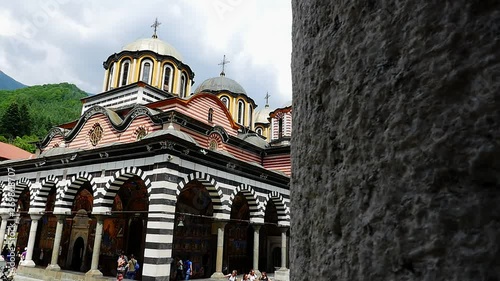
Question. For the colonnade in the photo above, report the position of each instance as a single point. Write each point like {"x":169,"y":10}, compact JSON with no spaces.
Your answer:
{"x":94,"y":271}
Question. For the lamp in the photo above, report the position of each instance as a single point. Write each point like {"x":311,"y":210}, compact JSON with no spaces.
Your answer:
{"x":181,"y":221}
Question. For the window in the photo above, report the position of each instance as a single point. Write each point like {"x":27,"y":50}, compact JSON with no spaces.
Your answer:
{"x":241,"y":112}
{"x":146,"y":70}
{"x":183,"y":85}
{"x":225,"y":100}
{"x":210,"y":115}
{"x":280,"y":128}
{"x":259,"y":131}
{"x":167,"y":78}
{"x":110,"y":76}
{"x":250,"y":112}
{"x":95,"y":134}
{"x":124,"y":73}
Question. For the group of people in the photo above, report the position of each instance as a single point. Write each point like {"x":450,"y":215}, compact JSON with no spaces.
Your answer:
{"x":251,"y":276}
{"x":19,"y":256}
{"x":126,"y":266}
{"x":184,"y":269}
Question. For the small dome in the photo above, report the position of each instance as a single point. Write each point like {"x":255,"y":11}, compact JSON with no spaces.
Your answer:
{"x":171,"y":131}
{"x":154,"y":45}
{"x":261,"y":115}
{"x":221,"y":83}
{"x":254,"y":139}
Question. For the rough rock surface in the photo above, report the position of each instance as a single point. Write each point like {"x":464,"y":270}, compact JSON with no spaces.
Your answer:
{"x":396,"y":158}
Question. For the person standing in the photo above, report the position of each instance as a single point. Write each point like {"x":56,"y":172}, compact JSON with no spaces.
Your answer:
{"x":180,"y":269}
{"x":189,"y":269}
{"x":120,"y":269}
{"x":131,"y":267}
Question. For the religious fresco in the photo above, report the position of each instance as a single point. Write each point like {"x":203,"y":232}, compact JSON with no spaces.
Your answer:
{"x":83,"y":200}
{"x":47,"y":225}
{"x":23,"y":229}
{"x":194,"y":239}
{"x":132,"y":196}
{"x":237,"y":237}
{"x":113,"y":229}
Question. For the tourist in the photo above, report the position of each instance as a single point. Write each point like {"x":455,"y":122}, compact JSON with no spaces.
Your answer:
{"x":180,"y":269}
{"x":264,"y":277}
{"x":119,"y":277}
{"x":232,"y":276}
{"x":189,"y":269}
{"x":252,"y":276}
{"x":131,"y":270}
{"x":120,"y":269}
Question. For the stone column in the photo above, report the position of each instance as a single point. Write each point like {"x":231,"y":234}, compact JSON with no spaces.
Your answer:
{"x":3,"y":227}
{"x":283,"y":273}
{"x":57,"y":242}
{"x":220,"y":250}
{"x":28,"y":262}
{"x":256,"y":229}
{"x":97,"y":248}
{"x":283,"y":248}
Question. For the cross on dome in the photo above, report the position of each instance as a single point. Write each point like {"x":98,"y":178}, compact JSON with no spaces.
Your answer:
{"x":267,"y":98}
{"x":155,"y":26}
{"x":223,"y":63}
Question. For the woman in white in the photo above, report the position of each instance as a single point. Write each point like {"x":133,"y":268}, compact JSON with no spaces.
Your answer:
{"x":232,"y":276}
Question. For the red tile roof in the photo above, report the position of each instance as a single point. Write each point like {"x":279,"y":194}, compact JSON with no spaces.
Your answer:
{"x":8,"y":152}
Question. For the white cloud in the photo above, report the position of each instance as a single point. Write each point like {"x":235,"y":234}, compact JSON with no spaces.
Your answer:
{"x":50,"y":41}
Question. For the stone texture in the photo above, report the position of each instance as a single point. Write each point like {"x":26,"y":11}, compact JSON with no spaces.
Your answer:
{"x":396,"y":158}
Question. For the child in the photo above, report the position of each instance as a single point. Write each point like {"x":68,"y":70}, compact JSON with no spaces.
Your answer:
{"x":119,"y":277}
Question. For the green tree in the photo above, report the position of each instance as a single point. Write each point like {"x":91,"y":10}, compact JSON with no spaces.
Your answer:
{"x":26,"y":142}
{"x":25,"y":124}
{"x":10,"y":121}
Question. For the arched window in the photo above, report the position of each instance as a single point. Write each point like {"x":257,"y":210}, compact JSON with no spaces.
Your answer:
{"x":225,"y":100}
{"x":259,"y":131}
{"x":241,"y":112}
{"x":124,"y":73}
{"x":168,"y":74}
{"x":210,"y":115}
{"x":183,"y":85}
{"x":280,"y":128}
{"x":250,"y":112}
{"x":110,"y":76}
{"x":146,"y":71}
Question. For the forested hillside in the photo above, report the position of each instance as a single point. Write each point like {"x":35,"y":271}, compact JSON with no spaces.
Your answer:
{"x":27,"y":114}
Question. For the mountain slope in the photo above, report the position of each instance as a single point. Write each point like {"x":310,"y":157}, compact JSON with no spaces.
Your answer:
{"x":9,"y":83}
{"x":43,"y":107}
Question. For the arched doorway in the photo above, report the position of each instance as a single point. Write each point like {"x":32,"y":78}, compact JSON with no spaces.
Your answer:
{"x":193,"y":236}
{"x":238,"y":250}
{"x":46,"y":232}
{"x":23,"y":229}
{"x":271,"y":239}
{"x":78,"y":249}
{"x":123,"y":230}
{"x":81,"y":225}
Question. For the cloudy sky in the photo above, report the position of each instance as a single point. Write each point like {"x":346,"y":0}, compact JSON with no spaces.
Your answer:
{"x":53,"y":41}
